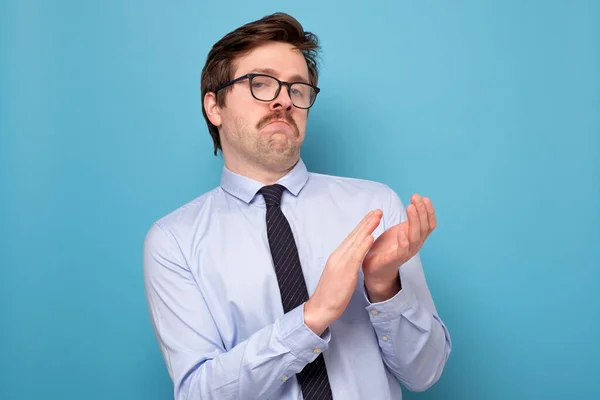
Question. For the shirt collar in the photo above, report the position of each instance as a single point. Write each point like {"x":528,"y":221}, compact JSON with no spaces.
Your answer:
{"x":245,"y":188}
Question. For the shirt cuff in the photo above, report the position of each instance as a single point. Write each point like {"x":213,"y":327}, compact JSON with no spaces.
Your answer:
{"x":302,"y":342}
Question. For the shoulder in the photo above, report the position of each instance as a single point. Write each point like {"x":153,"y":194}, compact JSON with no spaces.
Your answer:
{"x":352,"y":186}
{"x":182,"y":221}
{"x":361,"y":194}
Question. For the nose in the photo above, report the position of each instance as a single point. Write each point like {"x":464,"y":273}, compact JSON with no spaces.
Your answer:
{"x":282,"y":101}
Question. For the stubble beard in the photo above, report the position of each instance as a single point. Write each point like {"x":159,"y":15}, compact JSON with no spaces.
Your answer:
{"x":270,"y":152}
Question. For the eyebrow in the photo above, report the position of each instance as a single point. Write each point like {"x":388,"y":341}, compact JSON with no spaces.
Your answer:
{"x":270,"y":71}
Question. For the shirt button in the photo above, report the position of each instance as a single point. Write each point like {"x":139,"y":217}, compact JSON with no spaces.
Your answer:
{"x":374,"y":312}
{"x":384,"y":338}
{"x":285,"y":378}
{"x":317,"y":351}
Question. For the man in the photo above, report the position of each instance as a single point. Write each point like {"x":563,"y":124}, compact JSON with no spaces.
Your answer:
{"x":272,"y":285}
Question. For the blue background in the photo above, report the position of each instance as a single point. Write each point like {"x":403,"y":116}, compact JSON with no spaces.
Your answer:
{"x":490,"y":108}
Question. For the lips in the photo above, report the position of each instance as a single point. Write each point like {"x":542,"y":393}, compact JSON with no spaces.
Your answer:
{"x":279,"y":121}
{"x":279,"y":117}
{"x":280,"y":126}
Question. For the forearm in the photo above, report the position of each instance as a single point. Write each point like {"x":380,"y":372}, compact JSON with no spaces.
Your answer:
{"x":378,"y":293}
{"x":255,"y":368}
{"x":192,"y":342}
{"x":414,"y":342}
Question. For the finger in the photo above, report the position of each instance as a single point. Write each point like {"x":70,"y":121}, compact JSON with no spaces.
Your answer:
{"x":414,"y":226}
{"x":366,"y":230}
{"x":366,"y":226}
{"x":357,"y":229}
{"x":361,"y":251}
{"x":403,"y":245}
{"x":356,"y":252}
{"x":430,"y":214}
{"x":422,"y":217}
{"x":370,"y":223}
{"x":403,"y":242}
{"x":342,"y":253}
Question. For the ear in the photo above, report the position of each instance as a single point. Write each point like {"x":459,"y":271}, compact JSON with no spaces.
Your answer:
{"x":212,"y":109}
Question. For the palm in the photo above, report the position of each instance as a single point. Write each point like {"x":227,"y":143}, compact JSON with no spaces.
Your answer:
{"x":387,"y":250}
{"x":400,"y":242}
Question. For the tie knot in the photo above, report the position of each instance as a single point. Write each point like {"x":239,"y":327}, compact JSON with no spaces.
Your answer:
{"x":272,"y":194}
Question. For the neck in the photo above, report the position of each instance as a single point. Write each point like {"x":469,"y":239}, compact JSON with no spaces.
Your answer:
{"x":267,"y":175}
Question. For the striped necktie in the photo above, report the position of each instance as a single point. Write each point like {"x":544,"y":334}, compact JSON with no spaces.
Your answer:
{"x":313,"y":378}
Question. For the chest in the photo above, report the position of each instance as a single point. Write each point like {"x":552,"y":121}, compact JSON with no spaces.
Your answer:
{"x":234,"y":269}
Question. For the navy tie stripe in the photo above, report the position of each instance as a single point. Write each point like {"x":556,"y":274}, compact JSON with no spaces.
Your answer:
{"x":313,"y":378}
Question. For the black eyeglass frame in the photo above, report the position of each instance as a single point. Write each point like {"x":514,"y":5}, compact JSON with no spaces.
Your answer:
{"x":281,"y":83}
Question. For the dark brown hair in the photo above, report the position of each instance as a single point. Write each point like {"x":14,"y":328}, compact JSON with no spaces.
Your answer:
{"x":279,"y":27}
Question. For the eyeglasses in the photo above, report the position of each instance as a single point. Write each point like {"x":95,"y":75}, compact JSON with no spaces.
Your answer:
{"x":267,"y":88}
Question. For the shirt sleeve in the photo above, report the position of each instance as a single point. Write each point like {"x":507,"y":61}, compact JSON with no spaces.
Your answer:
{"x":414,"y":341}
{"x":198,"y":363}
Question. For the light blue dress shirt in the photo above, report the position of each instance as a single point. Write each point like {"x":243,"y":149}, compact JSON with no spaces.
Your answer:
{"x":215,"y":306}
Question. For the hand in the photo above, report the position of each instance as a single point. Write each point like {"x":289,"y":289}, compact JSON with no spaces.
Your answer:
{"x":340,"y":276}
{"x":397,"y":245}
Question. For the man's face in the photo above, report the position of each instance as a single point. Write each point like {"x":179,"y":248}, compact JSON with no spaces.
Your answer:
{"x":266,"y":134}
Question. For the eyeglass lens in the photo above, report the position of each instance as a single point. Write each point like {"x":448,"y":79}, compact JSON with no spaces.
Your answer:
{"x":265,"y":88}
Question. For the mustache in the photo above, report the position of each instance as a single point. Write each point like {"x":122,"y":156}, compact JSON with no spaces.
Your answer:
{"x":277,"y":115}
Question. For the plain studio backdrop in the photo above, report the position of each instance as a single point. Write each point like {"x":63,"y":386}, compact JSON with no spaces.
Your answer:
{"x":491,"y":108}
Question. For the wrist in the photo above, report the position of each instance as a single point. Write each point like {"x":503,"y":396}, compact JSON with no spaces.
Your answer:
{"x":382,"y":290}
{"x":314,"y":319}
